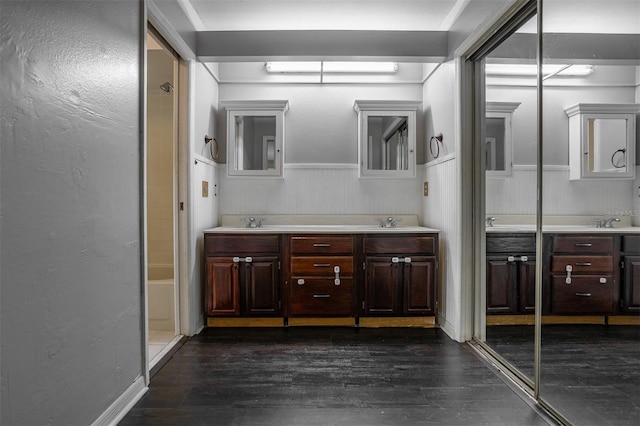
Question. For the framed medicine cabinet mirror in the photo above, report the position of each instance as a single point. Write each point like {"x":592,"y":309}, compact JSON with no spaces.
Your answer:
{"x":387,"y":138}
{"x":602,"y":141}
{"x":255,"y":137}
{"x":498,"y":138}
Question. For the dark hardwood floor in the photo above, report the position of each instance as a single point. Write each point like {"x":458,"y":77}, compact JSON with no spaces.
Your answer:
{"x":589,"y":373}
{"x":329,"y":376}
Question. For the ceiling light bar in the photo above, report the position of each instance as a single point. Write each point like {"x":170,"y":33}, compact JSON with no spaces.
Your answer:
{"x":292,"y":67}
{"x":331,"y":67}
{"x":361,"y":67}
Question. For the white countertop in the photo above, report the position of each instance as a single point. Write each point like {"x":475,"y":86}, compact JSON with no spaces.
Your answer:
{"x":320,"y":224}
{"x":320,"y":229}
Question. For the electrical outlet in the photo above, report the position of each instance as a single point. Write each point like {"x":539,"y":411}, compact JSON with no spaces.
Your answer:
{"x":426,"y":189}
{"x":205,"y":189}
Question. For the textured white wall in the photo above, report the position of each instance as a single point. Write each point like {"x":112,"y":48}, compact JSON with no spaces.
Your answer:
{"x":71,"y":326}
{"x":205,"y":208}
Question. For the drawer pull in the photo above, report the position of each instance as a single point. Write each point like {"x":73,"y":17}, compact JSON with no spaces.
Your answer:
{"x":583,"y":263}
{"x":568,"y":268}
{"x":321,"y":265}
{"x":300,"y":281}
{"x":400,"y":260}
{"x":336,"y":270}
{"x":584,"y":245}
{"x":603,"y":280}
{"x":583,"y":294}
{"x":243,"y":259}
{"x":322,"y":245}
{"x":321,"y":296}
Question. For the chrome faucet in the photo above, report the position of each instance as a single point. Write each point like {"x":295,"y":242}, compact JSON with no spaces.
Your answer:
{"x":390,"y":222}
{"x":252,"y":222}
{"x":608,"y":223}
{"x":489,"y":221}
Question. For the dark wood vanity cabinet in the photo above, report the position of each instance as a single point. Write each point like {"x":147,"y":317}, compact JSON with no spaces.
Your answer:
{"x":399,"y":275}
{"x":319,"y":278}
{"x":242,"y":275}
{"x":583,"y":278}
{"x":321,"y":275}
{"x":510,"y":274}
{"x":630,"y":275}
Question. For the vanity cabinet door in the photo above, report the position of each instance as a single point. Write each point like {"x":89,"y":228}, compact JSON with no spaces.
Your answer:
{"x":259,"y":286}
{"x":630,"y":302}
{"x":382,"y":286}
{"x":418,"y":278}
{"x":527,"y":286}
{"x":222,"y":290}
{"x":501,"y":285}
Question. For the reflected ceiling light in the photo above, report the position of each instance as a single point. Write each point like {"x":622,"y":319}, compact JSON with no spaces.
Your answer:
{"x":532,"y":69}
{"x":331,"y":67}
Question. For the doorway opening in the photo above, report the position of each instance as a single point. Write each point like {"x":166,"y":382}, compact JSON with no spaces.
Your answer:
{"x":161,"y":188}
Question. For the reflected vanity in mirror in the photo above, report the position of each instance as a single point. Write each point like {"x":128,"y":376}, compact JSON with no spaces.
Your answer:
{"x":602,"y":141}
{"x":387,"y":138}
{"x":255,"y":137}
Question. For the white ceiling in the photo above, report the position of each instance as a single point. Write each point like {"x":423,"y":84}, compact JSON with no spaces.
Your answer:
{"x":389,"y":15}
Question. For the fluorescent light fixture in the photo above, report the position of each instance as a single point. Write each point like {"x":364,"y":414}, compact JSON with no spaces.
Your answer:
{"x":331,"y":67}
{"x":301,"y":67}
{"x":531,"y":70}
{"x":361,"y":67}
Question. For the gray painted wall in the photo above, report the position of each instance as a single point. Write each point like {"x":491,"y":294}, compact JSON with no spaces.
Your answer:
{"x":71,"y":339}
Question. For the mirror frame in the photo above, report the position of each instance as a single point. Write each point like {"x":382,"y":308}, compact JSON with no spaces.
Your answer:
{"x":367,"y":108}
{"x":274,"y":108}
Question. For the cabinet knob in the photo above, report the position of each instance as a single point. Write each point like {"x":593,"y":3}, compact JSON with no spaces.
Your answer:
{"x":300,"y":281}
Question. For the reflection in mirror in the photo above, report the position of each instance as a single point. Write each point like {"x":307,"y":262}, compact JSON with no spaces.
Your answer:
{"x":255,"y":142}
{"x":388,"y":144}
{"x":498,"y":134}
{"x":589,"y":362}
{"x":255,"y":137}
{"x":607,"y":144}
{"x":387,"y":138}
{"x":510,"y":253}
{"x":602,"y":140}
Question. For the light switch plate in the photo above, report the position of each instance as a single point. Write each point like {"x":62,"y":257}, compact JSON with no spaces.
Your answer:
{"x":426,"y":189}
{"x":205,"y":189}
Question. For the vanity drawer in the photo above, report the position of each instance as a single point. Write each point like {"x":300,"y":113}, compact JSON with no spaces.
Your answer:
{"x":321,"y":265}
{"x":322,"y":245}
{"x":582,"y":264}
{"x":501,"y":243}
{"x":583,"y":244}
{"x":585,"y":295}
{"x":399,"y":245}
{"x":237,"y":245}
{"x":631,"y":243}
{"x":321,"y":297}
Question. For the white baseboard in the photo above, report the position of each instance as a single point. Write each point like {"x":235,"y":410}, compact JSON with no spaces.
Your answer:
{"x":123,"y":404}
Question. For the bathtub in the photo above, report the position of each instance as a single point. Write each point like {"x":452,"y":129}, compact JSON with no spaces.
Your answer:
{"x":161,"y":295}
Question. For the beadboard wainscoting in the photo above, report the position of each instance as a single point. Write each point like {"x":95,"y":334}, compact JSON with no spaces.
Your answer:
{"x":205,"y":215}
{"x":320,"y":189}
{"x":442,"y":211}
{"x":516,"y":194}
